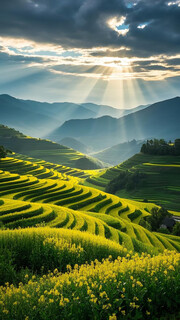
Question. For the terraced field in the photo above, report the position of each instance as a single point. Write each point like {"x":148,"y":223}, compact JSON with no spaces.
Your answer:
{"x":59,"y":168}
{"x":26,"y":167}
{"x":14,"y":214}
{"x":63,"y":193}
{"x":162,"y":182}
{"x":32,"y":200}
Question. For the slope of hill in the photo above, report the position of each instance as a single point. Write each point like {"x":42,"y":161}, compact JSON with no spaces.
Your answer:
{"x":27,"y":201}
{"x":158,"y":120}
{"x":64,"y":170}
{"x":161,"y":181}
{"x":119,"y":152}
{"x":59,"y":225}
{"x":46,"y":150}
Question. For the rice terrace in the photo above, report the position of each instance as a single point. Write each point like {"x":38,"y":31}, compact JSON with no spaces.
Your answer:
{"x":89,"y":160}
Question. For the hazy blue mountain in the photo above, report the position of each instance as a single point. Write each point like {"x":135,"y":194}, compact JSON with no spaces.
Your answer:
{"x":39,"y":118}
{"x":14,"y":113}
{"x":74,"y":144}
{"x":102,"y":110}
{"x":119,"y":153}
{"x":160,"y":120}
{"x":62,"y":110}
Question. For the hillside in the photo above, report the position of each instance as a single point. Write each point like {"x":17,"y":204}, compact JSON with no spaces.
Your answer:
{"x":158,"y":120}
{"x":63,"y":244}
{"x":29,"y":198}
{"x":45,"y":150}
{"x":119,"y":152}
{"x":63,"y":170}
{"x":160,"y":182}
{"x":74,"y":144}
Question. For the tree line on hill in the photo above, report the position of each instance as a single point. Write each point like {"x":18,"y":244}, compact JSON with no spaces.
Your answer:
{"x":126,"y":180}
{"x":161,"y":147}
{"x":4,"y":152}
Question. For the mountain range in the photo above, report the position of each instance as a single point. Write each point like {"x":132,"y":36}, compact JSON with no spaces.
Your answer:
{"x":38,"y":118}
{"x":90,"y":127}
{"x":159,"y":120}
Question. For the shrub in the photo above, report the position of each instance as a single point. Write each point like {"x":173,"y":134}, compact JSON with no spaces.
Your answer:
{"x":176,"y":229}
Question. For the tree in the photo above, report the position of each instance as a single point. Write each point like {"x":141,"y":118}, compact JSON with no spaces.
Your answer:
{"x":156,"y":217}
{"x":176,"y":229}
{"x":161,"y":147}
{"x":177,"y":146}
{"x":4,"y":152}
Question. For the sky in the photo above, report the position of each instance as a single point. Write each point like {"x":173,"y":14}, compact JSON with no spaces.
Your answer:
{"x":121,"y":53}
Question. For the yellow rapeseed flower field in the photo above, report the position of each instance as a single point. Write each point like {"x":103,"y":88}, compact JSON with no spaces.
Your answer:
{"x":127,"y":288}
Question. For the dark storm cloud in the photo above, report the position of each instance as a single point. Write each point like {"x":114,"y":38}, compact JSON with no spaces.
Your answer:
{"x":71,"y":23}
{"x":83,"y":24}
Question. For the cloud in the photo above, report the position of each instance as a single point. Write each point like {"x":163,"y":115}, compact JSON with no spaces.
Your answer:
{"x":84,"y":24}
{"x":65,"y":43}
{"x":106,"y":68}
{"x":7,"y":57}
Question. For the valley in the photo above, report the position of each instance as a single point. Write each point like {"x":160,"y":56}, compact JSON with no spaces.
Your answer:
{"x":76,"y":229}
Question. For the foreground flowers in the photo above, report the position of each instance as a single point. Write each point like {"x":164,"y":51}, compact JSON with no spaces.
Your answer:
{"x":141,"y":287}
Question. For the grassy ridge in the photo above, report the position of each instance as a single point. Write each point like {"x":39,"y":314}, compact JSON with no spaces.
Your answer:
{"x":46,"y":150}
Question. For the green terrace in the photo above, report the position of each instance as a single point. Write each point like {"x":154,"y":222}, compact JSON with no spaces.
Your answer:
{"x":57,"y":167}
{"x":28,"y":200}
{"x":15,"y":214}
{"x":161,"y":175}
